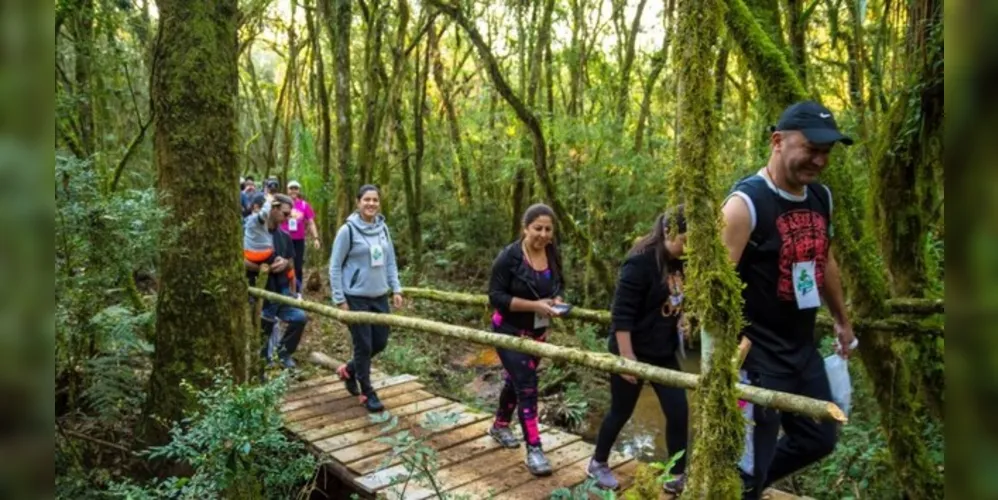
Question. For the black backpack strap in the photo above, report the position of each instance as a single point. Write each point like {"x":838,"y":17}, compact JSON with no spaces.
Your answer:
{"x":349,"y":245}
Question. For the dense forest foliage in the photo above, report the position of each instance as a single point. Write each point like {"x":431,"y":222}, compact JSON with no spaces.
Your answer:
{"x":464,"y":113}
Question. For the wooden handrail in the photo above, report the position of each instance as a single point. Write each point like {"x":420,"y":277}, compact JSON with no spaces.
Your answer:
{"x":599,"y":316}
{"x":605,"y":362}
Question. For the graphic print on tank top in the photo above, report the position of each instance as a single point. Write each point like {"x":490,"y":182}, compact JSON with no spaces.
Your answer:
{"x":804,"y":239}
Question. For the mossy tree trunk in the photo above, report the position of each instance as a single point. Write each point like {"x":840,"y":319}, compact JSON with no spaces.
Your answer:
{"x":338,"y":19}
{"x":658,"y":61}
{"x":453,"y":124}
{"x":201,"y":311}
{"x":716,"y":302}
{"x":907,"y":180}
{"x":766,"y":55}
{"x":856,"y":250}
{"x":327,"y":227}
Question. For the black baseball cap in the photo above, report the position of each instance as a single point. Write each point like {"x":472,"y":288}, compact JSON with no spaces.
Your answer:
{"x":814,"y":121}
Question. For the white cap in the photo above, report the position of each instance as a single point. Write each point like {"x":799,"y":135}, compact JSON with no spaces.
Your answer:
{"x":294,"y":184}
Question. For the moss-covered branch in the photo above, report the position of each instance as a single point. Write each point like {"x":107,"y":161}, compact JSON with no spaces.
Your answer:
{"x":600,"y":316}
{"x":600,"y":361}
{"x":590,"y":315}
{"x":776,"y":79}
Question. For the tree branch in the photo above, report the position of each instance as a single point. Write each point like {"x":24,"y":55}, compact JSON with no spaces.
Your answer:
{"x":606,"y":362}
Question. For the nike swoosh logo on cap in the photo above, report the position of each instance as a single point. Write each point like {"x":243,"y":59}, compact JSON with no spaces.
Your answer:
{"x":825,"y":115}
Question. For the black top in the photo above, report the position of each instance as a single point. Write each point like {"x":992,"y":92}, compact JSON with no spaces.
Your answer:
{"x":283,"y":247}
{"x":512,"y":277}
{"x":786,"y":231}
{"x":647,"y":307}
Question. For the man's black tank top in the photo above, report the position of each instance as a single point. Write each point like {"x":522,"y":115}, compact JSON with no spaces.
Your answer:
{"x":787,"y":230}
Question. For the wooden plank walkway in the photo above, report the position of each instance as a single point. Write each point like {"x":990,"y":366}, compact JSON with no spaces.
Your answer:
{"x":323,"y":414}
{"x":320,"y":412}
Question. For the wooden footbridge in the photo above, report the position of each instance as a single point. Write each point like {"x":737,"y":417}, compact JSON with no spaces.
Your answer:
{"x":358,"y":449}
{"x":323,"y":414}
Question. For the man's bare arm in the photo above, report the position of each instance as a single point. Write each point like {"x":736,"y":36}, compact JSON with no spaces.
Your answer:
{"x":737,"y":227}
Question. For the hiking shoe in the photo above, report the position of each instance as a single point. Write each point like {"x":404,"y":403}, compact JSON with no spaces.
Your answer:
{"x":372,"y":403}
{"x":675,"y":485}
{"x":537,"y":463}
{"x":600,"y":471}
{"x":288,"y":362}
{"x":348,"y":380}
{"x":504,"y":437}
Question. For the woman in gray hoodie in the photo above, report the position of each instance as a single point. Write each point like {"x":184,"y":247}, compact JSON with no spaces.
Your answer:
{"x":362,"y":273}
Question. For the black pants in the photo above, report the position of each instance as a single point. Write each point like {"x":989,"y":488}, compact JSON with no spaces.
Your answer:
{"x":520,"y":389}
{"x":623,"y":398}
{"x":299,"y":246}
{"x":368,"y":340}
{"x":804,"y":440}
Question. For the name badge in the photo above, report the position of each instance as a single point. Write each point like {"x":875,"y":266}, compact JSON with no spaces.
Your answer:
{"x":293,"y":224}
{"x":541,"y":321}
{"x":377,"y":256}
{"x":806,"y":285}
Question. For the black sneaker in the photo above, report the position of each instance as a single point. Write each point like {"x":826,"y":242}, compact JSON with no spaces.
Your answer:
{"x":372,"y":403}
{"x":348,"y":380}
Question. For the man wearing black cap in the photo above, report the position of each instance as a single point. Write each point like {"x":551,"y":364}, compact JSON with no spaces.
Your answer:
{"x":778,"y":230}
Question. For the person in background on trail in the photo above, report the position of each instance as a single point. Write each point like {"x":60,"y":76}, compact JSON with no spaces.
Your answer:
{"x":646,"y":313}
{"x":778,"y":231}
{"x":258,"y":244}
{"x":302,"y":220}
{"x":271,"y":187}
{"x":526,"y":282}
{"x":280,"y":280}
{"x":362,"y":273}
{"x":247,"y":189}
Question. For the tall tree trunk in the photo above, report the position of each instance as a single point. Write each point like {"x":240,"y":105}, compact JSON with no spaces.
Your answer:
{"x":292,"y":94}
{"x":83,"y":46}
{"x":797,"y":29}
{"x":414,"y":193}
{"x":530,"y":121}
{"x":658,"y":62}
{"x":326,"y":223}
{"x":339,"y":29}
{"x":766,"y":57}
{"x":624,"y":84}
{"x":373,"y":89}
{"x":201,"y":311}
{"x":453,"y":127}
{"x":577,"y":56}
{"x":907,"y":179}
{"x":717,"y":301}
{"x":720,"y":73}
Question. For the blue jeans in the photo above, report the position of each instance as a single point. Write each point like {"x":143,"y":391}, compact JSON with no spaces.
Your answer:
{"x":286,"y":345}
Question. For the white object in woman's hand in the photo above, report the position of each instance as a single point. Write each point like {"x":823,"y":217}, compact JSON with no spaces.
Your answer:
{"x":543,"y":307}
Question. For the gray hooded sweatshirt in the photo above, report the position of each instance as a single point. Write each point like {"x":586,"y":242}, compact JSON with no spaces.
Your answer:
{"x":350,"y":270}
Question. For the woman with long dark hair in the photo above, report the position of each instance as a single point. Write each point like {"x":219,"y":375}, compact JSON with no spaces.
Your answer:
{"x":526,"y":283}
{"x":644,"y":326}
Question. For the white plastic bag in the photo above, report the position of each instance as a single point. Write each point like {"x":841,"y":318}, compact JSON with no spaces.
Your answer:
{"x":837,"y":369}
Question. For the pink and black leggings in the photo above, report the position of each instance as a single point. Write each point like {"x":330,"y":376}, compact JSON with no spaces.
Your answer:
{"x":520,"y":390}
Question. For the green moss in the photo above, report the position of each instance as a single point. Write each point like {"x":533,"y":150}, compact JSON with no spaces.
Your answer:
{"x":201,"y":308}
{"x":716,"y":302}
{"x":776,"y":80}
